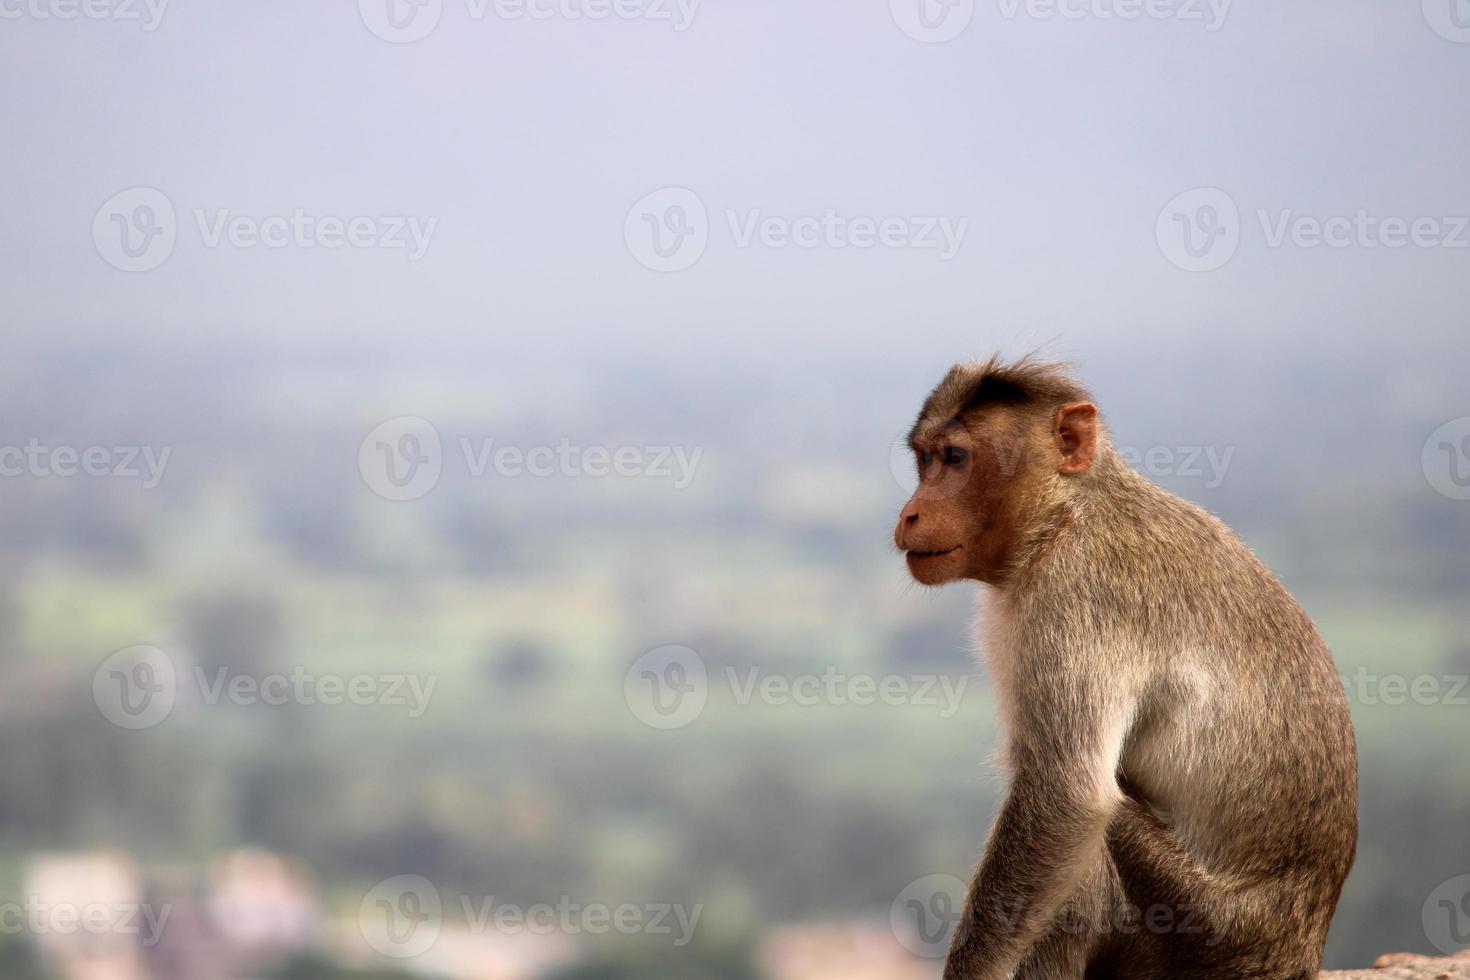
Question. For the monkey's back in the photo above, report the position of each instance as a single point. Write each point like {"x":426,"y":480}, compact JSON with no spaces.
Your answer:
{"x":1242,"y":742}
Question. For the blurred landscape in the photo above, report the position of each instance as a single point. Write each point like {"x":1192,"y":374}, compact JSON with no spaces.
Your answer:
{"x":449,"y":451}
{"x":516,"y":763}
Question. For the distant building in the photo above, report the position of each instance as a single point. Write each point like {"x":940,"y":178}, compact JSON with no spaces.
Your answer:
{"x":841,"y":951}
{"x":82,"y":910}
{"x":461,"y":953}
{"x":93,"y":918}
{"x":262,"y":904}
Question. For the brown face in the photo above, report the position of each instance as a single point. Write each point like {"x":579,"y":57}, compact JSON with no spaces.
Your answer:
{"x":975,"y":477}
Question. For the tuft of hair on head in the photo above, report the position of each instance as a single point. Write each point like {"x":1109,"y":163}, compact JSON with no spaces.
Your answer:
{"x":973,"y":385}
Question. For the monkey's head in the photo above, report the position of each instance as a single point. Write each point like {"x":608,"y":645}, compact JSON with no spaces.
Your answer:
{"x":996,"y":446}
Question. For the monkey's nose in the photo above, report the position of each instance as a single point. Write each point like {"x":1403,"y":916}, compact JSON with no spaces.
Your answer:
{"x":907,"y":518}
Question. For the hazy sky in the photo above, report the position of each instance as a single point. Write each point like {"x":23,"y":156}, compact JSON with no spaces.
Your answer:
{"x":1047,"y":140}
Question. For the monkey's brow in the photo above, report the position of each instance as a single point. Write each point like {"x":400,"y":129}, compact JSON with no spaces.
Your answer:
{"x":932,"y":434}
{"x":926,"y":444}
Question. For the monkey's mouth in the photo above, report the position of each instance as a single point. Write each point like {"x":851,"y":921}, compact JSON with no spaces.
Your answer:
{"x":933,"y":554}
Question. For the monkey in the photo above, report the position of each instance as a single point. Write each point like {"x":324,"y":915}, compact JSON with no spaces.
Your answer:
{"x":1181,"y":763}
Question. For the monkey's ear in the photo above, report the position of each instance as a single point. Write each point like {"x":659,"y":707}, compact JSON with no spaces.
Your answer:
{"x":1075,"y":431}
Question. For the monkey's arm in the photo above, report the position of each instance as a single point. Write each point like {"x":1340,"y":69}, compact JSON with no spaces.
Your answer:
{"x":1066,"y":743}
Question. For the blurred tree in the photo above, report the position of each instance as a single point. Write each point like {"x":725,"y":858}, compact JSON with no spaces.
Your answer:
{"x":242,"y":633}
{"x":78,"y":780}
{"x":519,"y":664}
{"x":18,"y":960}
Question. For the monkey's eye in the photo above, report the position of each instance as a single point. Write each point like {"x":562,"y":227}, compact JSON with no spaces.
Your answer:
{"x":954,"y":455}
{"x":926,"y":459}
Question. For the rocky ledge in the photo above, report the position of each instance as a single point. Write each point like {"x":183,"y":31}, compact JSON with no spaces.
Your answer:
{"x":1407,"y":967}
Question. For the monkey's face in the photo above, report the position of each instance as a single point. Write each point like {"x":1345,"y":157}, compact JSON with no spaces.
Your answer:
{"x":960,"y":521}
{"x":981,"y":482}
